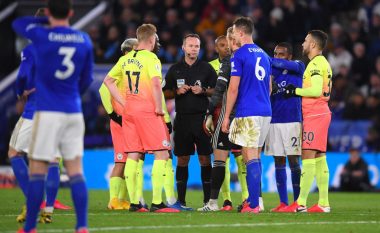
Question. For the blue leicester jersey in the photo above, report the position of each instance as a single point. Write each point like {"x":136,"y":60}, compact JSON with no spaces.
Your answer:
{"x":25,"y":79}
{"x":253,"y":66}
{"x":284,"y":72}
{"x":64,"y":63}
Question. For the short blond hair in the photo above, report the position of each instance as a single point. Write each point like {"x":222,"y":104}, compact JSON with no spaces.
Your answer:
{"x":229,"y":33}
{"x":145,"y":31}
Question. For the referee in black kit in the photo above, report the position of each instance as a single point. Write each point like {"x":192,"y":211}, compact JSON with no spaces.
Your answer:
{"x":190,"y":82}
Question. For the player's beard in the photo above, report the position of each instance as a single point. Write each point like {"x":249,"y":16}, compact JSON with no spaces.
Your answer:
{"x":305,"y":52}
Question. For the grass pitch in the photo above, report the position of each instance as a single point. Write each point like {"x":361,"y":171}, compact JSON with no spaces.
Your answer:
{"x":351,"y":213}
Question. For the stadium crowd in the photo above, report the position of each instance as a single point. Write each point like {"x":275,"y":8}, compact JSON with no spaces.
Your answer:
{"x":353,"y":49}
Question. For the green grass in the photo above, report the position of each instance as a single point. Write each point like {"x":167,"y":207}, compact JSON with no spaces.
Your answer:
{"x":351,"y":213}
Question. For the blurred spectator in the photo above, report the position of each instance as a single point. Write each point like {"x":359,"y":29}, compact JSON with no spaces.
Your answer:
{"x":111,"y":46}
{"x":171,"y":54}
{"x":360,"y":64}
{"x":277,"y":30}
{"x":339,"y":57}
{"x":213,"y":7}
{"x":214,"y":22}
{"x":374,"y":85}
{"x":173,"y":27}
{"x":356,"y":108}
{"x":373,"y":105}
{"x":365,"y":13}
{"x":354,"y":176}
{"x":337,"y":37}
{"x":295,"y":20}
{"x":233,"y":7}
{"x":340,"y":93}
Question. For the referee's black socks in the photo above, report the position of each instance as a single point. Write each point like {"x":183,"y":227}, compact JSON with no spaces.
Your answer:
{"x":206,"y":182}
{"x":182,"y":175}
{"x":217,"y":177}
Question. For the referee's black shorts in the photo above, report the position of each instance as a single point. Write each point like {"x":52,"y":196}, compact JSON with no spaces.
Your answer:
{"x":188,"y":133}
{"x":220,"y":139}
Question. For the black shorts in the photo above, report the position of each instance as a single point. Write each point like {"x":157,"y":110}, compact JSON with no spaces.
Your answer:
{"x":188,"y":133}
{"x":220,"y":139}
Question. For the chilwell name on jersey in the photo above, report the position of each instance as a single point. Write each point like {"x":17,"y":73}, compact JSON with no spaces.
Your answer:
{"x":64,"y":38}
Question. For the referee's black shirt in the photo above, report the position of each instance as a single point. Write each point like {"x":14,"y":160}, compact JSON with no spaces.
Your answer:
{"x":200,"y":73}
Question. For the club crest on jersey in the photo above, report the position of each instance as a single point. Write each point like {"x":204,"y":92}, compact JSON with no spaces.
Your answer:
{"x":119,"y":156}
{"x":285,"y":72}
{"x":180,"y":82}
{"x":166,"y":143}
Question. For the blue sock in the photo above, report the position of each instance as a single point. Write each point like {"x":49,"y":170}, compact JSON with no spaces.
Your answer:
{"x":253,"y":182}
{"x":296,"y":176}
{"x":52,"y":184}
{"x":281,"y":183}
{"x":20,"y":169}
{"x":33,"y":200}
{"x":80,"y":198}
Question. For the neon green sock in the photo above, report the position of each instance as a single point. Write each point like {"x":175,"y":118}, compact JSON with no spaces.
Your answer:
{"x":226,"y":183}
{"x":158,"y":180}
{"x":115,"y":183}
{"x":123,"y":190}
{"x":130,"y":173}
{"x":322,"y":174}
{"x":140,"y":180}
{"x":307,"y":178}
{"x":242,"y":173}
{"x":169,"y":180}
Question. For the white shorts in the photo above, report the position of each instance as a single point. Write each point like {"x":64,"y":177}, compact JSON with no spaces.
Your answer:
{"x":21,"y":135}
{"x":249,"y":131}
{"x":56,"y":133}
{"x":284,"y":139}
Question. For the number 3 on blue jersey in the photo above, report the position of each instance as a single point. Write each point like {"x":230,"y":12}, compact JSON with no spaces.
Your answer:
{"x":68,"y":53}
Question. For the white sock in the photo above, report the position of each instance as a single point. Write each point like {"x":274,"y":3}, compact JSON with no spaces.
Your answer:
{"x":171,"y":200}
{"x":49,"y":209}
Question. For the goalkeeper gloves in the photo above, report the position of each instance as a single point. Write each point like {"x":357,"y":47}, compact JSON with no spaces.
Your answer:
{"x":290,"y":91}
{"x":208,"y":125}
{"x":274,"y":87}
{"x":115,"y":117}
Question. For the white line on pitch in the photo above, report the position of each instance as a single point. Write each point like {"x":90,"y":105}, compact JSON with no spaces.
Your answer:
{"x":234,"y":225}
